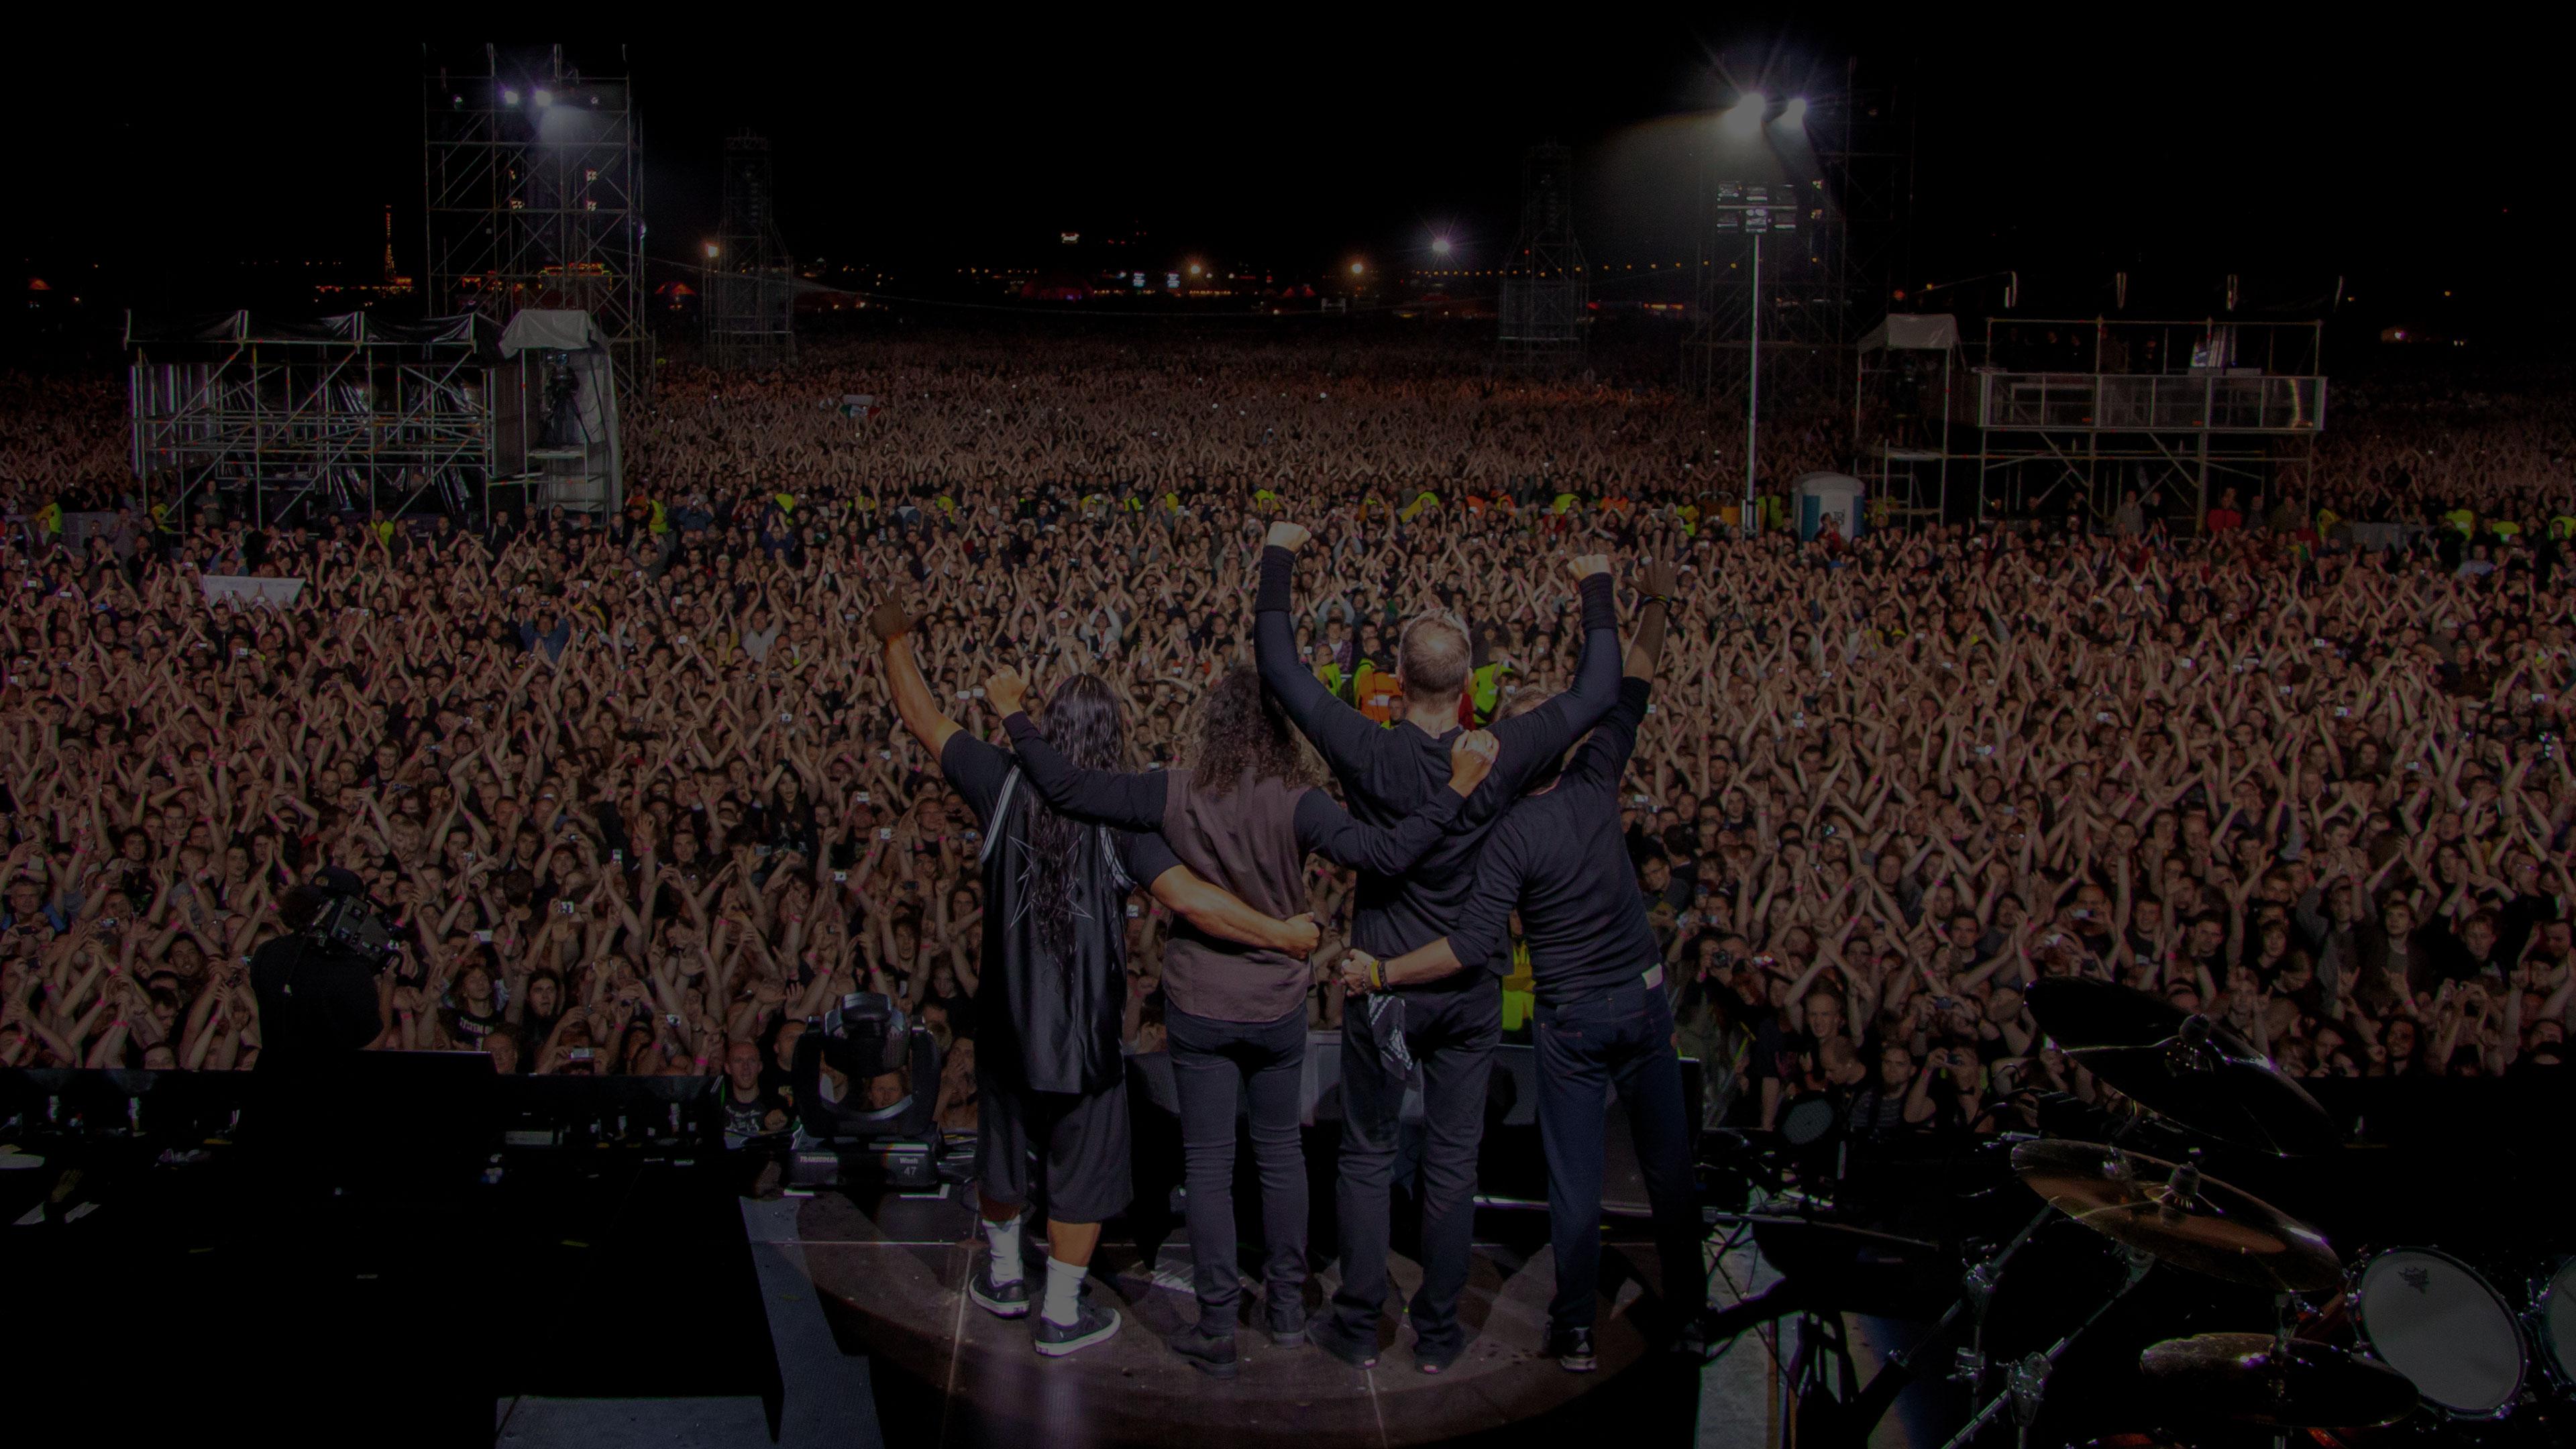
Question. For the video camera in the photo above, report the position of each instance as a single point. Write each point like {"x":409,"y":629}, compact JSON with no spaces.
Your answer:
{"x":349,"y":920}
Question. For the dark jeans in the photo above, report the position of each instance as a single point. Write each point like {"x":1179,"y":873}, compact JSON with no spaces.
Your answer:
{"x":1452,"y":1035}
{"x":1623,"y":1038}
{"x":1218,"y":1067}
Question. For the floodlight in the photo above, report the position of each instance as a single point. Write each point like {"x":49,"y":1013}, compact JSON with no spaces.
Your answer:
{"x":713,"y":251}
{"x":1794,"y":113}
{"x":1357,"y":268}
{"x":543,"y":98}
{"x":1745,"y":119}
{"x":1440,"y":246}
{"x":509,"y":98}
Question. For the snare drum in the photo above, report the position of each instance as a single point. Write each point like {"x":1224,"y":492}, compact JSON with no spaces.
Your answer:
{"x":2552,"y":1324}
{"x":2431,"y":1317}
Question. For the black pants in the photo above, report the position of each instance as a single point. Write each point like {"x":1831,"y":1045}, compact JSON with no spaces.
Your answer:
{"x":1452,"y":1035}
{"x":1623,"y":1038}
{"x":1218,"y":1067}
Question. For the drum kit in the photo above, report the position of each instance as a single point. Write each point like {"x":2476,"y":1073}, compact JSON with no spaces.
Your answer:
{"x":2407,"y":1343}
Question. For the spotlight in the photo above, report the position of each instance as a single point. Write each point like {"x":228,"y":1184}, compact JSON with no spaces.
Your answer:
{"x":713,"y":251}
{"x":1745,"y":119}
{"x":1794,"y":113}
{"x":1358,"y":267}
{"x":543,"y":98}
{"x":1440,"y":246}
{"x":509,"y":98}
{"x":1194,"y":269}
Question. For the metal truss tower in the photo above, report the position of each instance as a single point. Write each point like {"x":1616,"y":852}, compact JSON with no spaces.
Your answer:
{"x":1543,"y":294}
{"x":533,"y":181}
{"x":750,"y":298}
{"x":1822,"y":292}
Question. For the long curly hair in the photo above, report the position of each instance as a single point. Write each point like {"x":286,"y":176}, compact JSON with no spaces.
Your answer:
{"x":1242,"y":729}
{"x":1086,"y":725}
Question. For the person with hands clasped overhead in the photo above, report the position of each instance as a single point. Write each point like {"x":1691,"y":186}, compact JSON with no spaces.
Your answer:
{"x":1243,"y":812}
{"x":1050,"y":1079}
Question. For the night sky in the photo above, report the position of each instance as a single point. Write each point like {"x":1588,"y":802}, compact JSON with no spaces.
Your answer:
{"x":2409,"y":164}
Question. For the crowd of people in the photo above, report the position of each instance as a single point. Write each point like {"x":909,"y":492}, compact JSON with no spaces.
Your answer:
{"x":636,"y":794}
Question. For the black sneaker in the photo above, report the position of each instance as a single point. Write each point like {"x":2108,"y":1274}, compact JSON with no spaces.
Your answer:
{"x":1002,"y":1300}
{"x":1287,"y":1318}
{"x":1212,"y":1354}
{"x":1327,"y":1335}
{"x":1572,"y":1349}
{"x":1091,"y":1323}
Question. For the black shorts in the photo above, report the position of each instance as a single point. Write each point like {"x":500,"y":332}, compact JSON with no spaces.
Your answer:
{"x":1083,"y":1139}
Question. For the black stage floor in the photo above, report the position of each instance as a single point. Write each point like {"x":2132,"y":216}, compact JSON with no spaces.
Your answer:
{"x":892,"y":1271}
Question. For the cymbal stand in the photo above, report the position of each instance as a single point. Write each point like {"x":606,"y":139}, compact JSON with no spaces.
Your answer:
{"x":2026,"y":1382}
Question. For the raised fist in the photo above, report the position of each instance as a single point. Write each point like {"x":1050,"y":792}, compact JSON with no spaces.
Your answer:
{"x":1006,"y":691}
{"x":890,"y":621}
{"x":1290,"y":536}
{"x":1588,"y":564}
{"x":1471,"y":758}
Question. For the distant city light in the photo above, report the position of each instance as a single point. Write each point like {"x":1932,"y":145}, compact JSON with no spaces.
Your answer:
{"x":1440,"y":246}
{"x":1745,"y":119}
{"x":1794,"y":113}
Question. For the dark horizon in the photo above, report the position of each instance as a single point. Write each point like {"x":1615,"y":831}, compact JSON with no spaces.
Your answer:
{"x":920,"y":152}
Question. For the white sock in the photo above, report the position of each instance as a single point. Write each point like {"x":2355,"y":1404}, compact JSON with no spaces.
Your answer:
{"x":1064,"y":1285}
{"x":1004,"y":1240}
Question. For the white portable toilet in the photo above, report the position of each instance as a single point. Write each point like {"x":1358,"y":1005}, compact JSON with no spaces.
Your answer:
{"x":1820,"y":494}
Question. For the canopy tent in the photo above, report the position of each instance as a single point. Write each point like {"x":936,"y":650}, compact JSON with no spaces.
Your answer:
{"x":1913,"y":332}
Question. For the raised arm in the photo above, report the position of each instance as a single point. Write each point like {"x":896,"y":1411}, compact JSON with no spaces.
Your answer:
{"x":911,"y":693}
{"x":1342,"y":734}
{"x":1529,"y":741}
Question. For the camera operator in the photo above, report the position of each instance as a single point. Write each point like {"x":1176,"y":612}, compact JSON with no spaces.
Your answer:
{"x":317,"y":985}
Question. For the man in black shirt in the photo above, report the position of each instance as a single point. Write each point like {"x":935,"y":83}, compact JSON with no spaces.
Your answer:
{"x":1051,"y":991}
{"x":1450,"y":1026}
{"x":1604,"y":1018}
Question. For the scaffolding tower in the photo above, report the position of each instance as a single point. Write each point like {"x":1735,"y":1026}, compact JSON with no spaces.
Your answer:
{"x":2075,"y":412}
{"x":750,"y":301}
{"x":1846,"y":175}
{"x":532,"y":174}
{"x":286,"y":421}
{"x":1543,"y":293}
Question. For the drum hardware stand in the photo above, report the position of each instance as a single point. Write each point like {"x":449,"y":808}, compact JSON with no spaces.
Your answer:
{"x":2027,"y":1381}
{"x":1977,"y":1291}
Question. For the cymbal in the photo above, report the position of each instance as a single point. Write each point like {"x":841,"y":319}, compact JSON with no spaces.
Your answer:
{"x":2179,"y":1066}
{"x":2180,"y":1216}
{"x":2250,"y":1378}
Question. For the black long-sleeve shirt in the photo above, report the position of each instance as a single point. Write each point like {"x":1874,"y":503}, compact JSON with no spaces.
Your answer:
{"x":1252,"y":839}
{"x":1557,"y":858}
{"x":1133,"y":801}
{"x":1388,"y":772}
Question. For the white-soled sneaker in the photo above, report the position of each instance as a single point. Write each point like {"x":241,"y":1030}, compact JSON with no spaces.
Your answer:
{"x":1002,"y":1300}
{"x":1092,"y":1323}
